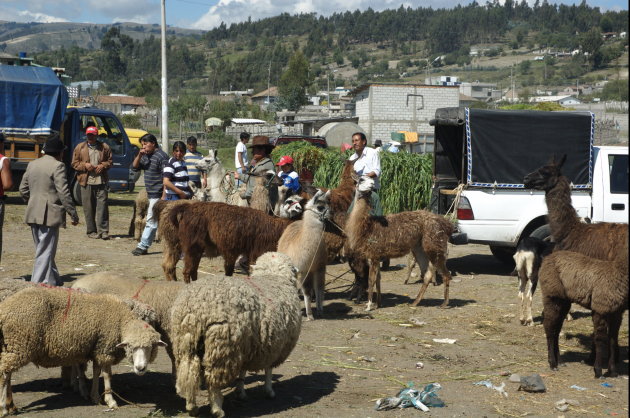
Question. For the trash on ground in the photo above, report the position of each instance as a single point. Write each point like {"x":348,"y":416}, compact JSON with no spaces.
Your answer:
{"x":607,"y":385}
{"x":505,"y":373}
{"x":368,"y":359}
{"x":419,"y":365}
{"x":405,"y":325}
{"x":515,"y":378}
{"x":417,"y":322}
{"x":489,"y":385}
{"x":444,"y":340}
{"x":576,"y":387}
{"x":563,"y":404}
{"x":78,"y":269}
{"x":533,"y":383}
{"x":410,"y":396}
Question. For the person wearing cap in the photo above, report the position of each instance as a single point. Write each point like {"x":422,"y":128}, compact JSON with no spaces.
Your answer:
{"x":152,"y":160}
{"x":6,"y":182}
{"x":45,"y":188}
{"x":240,"y":157}
{"x":261,"y":163}
{"x":91,"y":159}
{"x":288,"y":175}
{"x":378,"y":145}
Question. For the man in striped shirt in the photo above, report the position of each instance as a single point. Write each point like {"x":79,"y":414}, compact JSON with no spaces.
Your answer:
{"x":152,"y":160}
{"x":175,"y":175}
{"x":191,"y":157}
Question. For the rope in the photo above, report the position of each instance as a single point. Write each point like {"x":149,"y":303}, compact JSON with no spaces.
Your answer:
{"x":112,"y":392}
{"x":452,"y":210}
{"x":137,"y":294}
{"x":227,"y":185}
{"x":68,"y":303}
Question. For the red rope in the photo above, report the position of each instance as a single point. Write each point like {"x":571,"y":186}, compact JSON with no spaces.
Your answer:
{"x":249,"y":281}
{"x":65,"y":313}
{"x":144,"y":282}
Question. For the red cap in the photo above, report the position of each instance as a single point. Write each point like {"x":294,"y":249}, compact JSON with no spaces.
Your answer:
{"x":91,"y":130}
{"x":285,"y":160}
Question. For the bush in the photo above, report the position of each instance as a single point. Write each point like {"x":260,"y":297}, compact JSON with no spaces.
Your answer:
{"x":131,"y":121}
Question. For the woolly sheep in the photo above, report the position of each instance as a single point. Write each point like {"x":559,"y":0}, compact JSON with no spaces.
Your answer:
{"x":227,"y":326}
{"x":157,"y":294}
{"x":53,"y":327}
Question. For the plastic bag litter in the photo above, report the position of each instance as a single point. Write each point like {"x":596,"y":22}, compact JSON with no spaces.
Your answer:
{"x":489,"y":385}
{"x":410,"y":396}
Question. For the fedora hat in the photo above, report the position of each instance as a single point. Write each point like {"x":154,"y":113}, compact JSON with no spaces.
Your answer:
{"x":261,"y":141}
{"x":54,"y":145}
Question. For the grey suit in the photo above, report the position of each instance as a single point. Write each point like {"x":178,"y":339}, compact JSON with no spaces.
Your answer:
{"x":45,"y":187}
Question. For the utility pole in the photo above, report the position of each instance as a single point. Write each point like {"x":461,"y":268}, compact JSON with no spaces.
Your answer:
{"x":328,"y":89}
{"x":164,"y":130}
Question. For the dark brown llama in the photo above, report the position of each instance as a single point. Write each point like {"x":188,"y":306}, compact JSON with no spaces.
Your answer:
{"x":568,"y":277}
{"x":219,"y":229}
{"x":601,"y":241}
{"x":375,"y":237}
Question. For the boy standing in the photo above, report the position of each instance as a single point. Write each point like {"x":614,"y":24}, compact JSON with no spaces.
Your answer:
{"x":240,"y":157}
{"x":191,"y":157}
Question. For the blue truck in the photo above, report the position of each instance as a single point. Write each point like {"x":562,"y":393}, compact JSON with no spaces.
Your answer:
{"x":34,"y":106}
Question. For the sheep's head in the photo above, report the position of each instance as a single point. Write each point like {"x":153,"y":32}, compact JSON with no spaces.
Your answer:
{"x":277,"y":264}
{"x":207,"y":163}
{"x":292,"y":207}
{"x":140,"y":342}
{"x":320,"y":204}
{"x":546,"y":177}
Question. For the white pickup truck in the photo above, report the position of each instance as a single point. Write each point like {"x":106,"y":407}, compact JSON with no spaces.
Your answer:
{"x":481,"y":157}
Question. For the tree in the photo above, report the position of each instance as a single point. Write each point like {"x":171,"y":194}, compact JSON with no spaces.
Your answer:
{"x":294,"y":81}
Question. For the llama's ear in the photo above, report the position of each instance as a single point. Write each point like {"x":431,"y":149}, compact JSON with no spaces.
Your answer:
{"x":354,"y":176}
{"x":327,"y":195}
{"x":317,"y":194}
{"x":562,"y":160}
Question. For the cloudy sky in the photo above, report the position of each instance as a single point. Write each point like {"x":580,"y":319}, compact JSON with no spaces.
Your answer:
{"x":206,"y":14}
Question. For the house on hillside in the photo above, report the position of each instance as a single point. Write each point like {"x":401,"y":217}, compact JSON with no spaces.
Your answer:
{"x":21,"y":59}
{"x":562,"y":100}
{"x":486,"y":92}
{"x":386,"y":109}
{"x":123,"y":105}
{"x":265,"y":97}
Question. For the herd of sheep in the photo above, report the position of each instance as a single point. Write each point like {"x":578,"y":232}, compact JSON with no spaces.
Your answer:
{"x":218,"y":328}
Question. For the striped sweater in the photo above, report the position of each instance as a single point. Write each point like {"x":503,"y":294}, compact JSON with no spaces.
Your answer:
{"x":175,"y":171}
{"x":191,"y":159}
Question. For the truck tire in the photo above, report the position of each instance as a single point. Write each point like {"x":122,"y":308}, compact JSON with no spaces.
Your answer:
{"x":503,"y":254}
{"x":76,"y":193}
{"x":542,"y":232}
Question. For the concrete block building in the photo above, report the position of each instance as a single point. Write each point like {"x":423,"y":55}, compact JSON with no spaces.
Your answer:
{"x":386,"y":108}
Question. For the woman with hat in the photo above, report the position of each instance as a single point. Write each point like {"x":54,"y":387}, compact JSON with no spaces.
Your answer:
{"x":288,"y":175}
{"x":261,"y":163}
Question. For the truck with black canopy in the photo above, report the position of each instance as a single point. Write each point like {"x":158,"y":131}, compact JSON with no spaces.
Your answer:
{"x":481,"y":157}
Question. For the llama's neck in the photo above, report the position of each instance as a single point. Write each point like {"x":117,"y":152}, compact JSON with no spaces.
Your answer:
{"x":215,"y":176}
{"x":357,"y":220}
{"x":562,"y":216}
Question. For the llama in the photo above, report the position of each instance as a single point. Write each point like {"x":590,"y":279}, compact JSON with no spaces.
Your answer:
{"x":303,"y":242}
{"x":260,"y":193}
{"x":376,"y":237}
{"x":219,"y":229}
{"x":529,"y":254}
{"x":600,"y":285}
{"x":602,"y":241}
{"x":219,"y":181}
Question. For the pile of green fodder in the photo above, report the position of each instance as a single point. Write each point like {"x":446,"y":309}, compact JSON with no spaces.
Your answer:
{"x":405,"y":178}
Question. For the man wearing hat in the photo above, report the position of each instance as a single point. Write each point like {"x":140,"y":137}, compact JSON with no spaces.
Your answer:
{"x":44,"y":187}
{"x":91,"y":159}
{"x":261,"y":163}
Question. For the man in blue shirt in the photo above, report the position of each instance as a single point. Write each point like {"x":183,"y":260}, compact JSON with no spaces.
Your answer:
{"x":152,"y":160}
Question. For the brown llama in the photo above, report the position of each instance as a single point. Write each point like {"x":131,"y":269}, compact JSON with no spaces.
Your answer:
{"x":172,"y":250}
{"x":375,"y":237}
{"x":219,"y":229}
{"x":602,"y":241}
{"x":568,"y":277}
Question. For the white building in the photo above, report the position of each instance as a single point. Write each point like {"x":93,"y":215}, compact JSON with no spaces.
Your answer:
{"x":384,"y":109}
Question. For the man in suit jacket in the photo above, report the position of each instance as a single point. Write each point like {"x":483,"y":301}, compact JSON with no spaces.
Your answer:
{"x":45,"y":187}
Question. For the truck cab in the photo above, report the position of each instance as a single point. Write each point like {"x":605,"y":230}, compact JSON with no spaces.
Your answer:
{"x":112,"y":133}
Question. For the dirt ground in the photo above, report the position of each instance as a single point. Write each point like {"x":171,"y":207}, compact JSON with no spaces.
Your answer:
{"x":348,"y":359}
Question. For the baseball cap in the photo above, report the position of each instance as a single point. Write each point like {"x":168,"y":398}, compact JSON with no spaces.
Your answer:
{"x":91,"y":130}
{"x":285,"y":160}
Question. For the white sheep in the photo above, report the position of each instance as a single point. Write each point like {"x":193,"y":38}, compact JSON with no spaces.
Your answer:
{"x":226,"y":326}
{"x":53,"y":327}
{"x":155,"y":293}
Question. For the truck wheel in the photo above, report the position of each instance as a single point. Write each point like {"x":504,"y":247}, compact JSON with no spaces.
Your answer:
{"x":503,"y":254}
{"x":76,"y":193}
{"x":542,"y":232}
